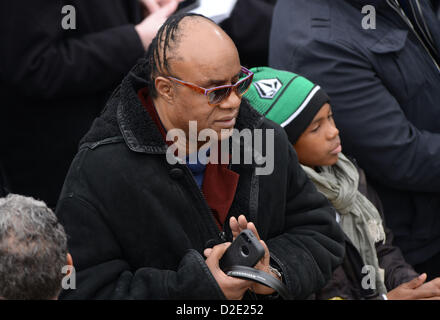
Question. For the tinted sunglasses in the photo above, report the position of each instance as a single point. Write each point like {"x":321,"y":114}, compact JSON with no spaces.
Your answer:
{"x":217,"y":94}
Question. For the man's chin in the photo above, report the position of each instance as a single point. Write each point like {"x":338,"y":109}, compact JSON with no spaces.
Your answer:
{"x":225,"y":133}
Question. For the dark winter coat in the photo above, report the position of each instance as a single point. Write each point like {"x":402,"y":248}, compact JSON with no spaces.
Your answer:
{"x":346,"y":282}
{"x":138,"y":226}
{"x":54,"y":82}
{"x":385,"y":92}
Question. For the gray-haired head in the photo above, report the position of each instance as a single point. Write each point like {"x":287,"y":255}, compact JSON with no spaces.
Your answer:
{"x":33,"y":249}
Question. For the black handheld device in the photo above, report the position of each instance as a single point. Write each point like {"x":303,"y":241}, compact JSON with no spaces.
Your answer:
{"x":245,"y":250}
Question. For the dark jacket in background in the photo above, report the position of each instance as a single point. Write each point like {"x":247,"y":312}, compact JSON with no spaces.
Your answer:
{"x":54,"y":82}
{"x":385,"y":93}
{"x":346,"y":282}
{"x":138,"y":226}
{"x":249,"y":27}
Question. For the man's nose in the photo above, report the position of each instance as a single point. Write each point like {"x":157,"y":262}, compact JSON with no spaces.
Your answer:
{"x":231,"y":102}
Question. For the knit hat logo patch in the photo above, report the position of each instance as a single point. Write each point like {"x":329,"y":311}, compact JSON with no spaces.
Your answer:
{"x":286,"y":98}
{"x":268,"y":88}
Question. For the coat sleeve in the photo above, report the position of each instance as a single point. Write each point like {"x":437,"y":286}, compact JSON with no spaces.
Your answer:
{"x":102,"y":269}
{"x":397,"y":270}
{"x":388,"y":147}
{"x":42,"y":60}
{"x":312,"y":244}
{"x":103,"y":273}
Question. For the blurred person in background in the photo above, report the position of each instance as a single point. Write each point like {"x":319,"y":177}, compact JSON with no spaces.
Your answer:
{"x":249,"y":28}
{"x":58,"y":63}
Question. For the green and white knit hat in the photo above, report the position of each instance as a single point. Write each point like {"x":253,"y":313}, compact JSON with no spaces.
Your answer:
{"x":286,"y":98}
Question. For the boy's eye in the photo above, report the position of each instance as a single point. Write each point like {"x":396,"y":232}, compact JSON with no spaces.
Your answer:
{"x":315,"y":129}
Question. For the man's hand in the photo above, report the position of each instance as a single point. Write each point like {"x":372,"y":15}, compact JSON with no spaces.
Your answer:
{"x":155,"y":12}
{"x":233,"y":288}
{"x":416,"y":289}
{"x":238,"y":226}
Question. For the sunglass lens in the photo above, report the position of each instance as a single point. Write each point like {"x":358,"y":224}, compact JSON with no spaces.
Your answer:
{"x":217,"y":96}
{"x":244,"y":86}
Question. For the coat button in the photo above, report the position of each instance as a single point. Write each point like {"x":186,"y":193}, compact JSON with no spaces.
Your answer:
{"x":176,"y":173}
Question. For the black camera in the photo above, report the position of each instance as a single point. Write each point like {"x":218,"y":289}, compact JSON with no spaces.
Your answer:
{"x":245,"y":250}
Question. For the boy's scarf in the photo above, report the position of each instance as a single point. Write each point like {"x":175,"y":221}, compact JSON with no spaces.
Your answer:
{"x":360,"y":219}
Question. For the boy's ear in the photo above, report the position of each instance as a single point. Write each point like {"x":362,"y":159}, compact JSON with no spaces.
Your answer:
{"x":164,"y":88}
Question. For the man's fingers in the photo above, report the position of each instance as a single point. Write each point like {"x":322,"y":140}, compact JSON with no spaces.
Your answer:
{"x":251,"y":226}
{"x":435,"y":282}
{"x":218,"y":251}
{"x":266,"y":257}
{"x":416,"y":282}
{"x":214,"y":257}
{"x":233,"y":288}
{"x":242,"y":222}
{"x":235,"y":228}
{"x":207,"y":252}
{"x":265,"y":260}
{"x":237,"y":225}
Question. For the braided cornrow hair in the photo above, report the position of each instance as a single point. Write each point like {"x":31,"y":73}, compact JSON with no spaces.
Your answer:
{"x":168,"y":34}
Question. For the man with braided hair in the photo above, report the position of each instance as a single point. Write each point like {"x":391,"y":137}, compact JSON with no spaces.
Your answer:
{"x":141,"y":227}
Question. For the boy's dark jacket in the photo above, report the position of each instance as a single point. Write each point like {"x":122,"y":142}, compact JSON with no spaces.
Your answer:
{"x":346,"y":282}
{"x":138,"y":226}
{"x":385,"y":93}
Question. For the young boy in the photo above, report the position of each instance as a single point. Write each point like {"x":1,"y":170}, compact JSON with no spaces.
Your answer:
{"x":373,"y":268}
